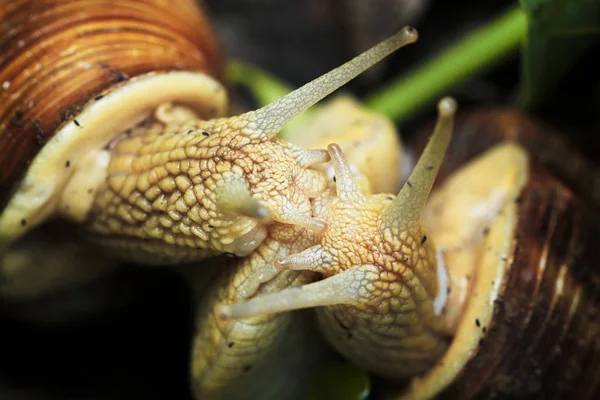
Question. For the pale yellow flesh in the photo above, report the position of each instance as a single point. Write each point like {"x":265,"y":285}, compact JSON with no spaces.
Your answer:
{"x":200,"y":186}
{"x":369,"y":141}
{"x":258,"y":357}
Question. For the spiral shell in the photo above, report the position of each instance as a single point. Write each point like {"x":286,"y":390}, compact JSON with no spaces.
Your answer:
{"x":58,"y":56}
{"x":542,"y":339}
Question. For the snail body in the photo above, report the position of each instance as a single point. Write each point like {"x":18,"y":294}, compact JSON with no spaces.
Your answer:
{"x":519,"y":246}
{"x":122,"y":135}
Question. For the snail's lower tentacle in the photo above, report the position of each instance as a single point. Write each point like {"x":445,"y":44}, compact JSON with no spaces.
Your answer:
{"x":344,"y":288}
{"x":233,"y":197}
{"x":315,"y":258}
{"x":256,"y":357}
{"x":288,"y":213}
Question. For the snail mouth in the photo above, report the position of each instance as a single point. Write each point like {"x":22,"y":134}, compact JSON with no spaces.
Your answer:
{"x":249,"y":241}
{"x":472,"y":215}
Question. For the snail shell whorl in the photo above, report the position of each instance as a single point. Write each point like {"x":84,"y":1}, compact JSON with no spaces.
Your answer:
{"x":543,"y":339}
{"x":58,"y":55}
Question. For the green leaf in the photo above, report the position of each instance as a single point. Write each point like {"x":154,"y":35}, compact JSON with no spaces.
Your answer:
{"x":340,"y":381}
{"x":559,"y":32}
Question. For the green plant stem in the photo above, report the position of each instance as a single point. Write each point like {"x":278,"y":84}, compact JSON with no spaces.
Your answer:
{"x":398,"y":100}
{"x":477,"y":51}
{"x":265,"y":87}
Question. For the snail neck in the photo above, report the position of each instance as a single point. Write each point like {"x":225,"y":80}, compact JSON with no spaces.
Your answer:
{"x":178,"y":188}
{"x":401,"y":307}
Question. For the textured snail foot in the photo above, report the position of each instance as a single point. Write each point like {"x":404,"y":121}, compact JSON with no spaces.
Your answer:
{"x":384,"y":290}
{"x":257,"y":357}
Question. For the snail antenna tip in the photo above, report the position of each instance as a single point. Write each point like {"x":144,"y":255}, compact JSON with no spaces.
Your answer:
{"x":268,"y":121}
{"x":406,"y":208}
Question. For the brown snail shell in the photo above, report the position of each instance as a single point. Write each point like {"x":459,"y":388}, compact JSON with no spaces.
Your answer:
{"x":58,"y":57}
{"x":542,"y":340}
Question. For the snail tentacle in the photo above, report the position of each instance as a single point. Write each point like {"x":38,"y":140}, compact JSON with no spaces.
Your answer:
{"x":290,"y":214}
{"x":316,"y":258}
{"x":346,"y":187}
{"x":344,"y":288}
{"x":233,"y":196}
{"x":268,"y":121}
{"x":406,"y":209}
{"x":308,"y":158}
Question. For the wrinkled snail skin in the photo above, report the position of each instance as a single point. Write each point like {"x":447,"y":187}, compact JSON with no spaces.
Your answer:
{"x":266,"y":357}
{"x":179,"y":217}
{"x":379,"y":267}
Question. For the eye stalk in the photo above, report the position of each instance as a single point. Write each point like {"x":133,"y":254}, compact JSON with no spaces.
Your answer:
{"x":270,"y":120}
{"x":407,"y":207}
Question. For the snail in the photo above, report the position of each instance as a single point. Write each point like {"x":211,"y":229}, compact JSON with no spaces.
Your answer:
{"x":516,"y":231}
{"x":162,"y":187}
{"x":111,"y":122}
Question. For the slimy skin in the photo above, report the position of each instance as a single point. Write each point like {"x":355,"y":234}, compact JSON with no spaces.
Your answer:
{"x":176,"y":193}
{"x":182,"y":191}
{"x":271,"y":356}
{"x":378,"y":299}
{"x":264,"y":357}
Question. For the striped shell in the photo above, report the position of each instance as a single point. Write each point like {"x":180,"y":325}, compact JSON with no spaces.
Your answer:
{"x":543,"y":340}
{"x":58,"y":56}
